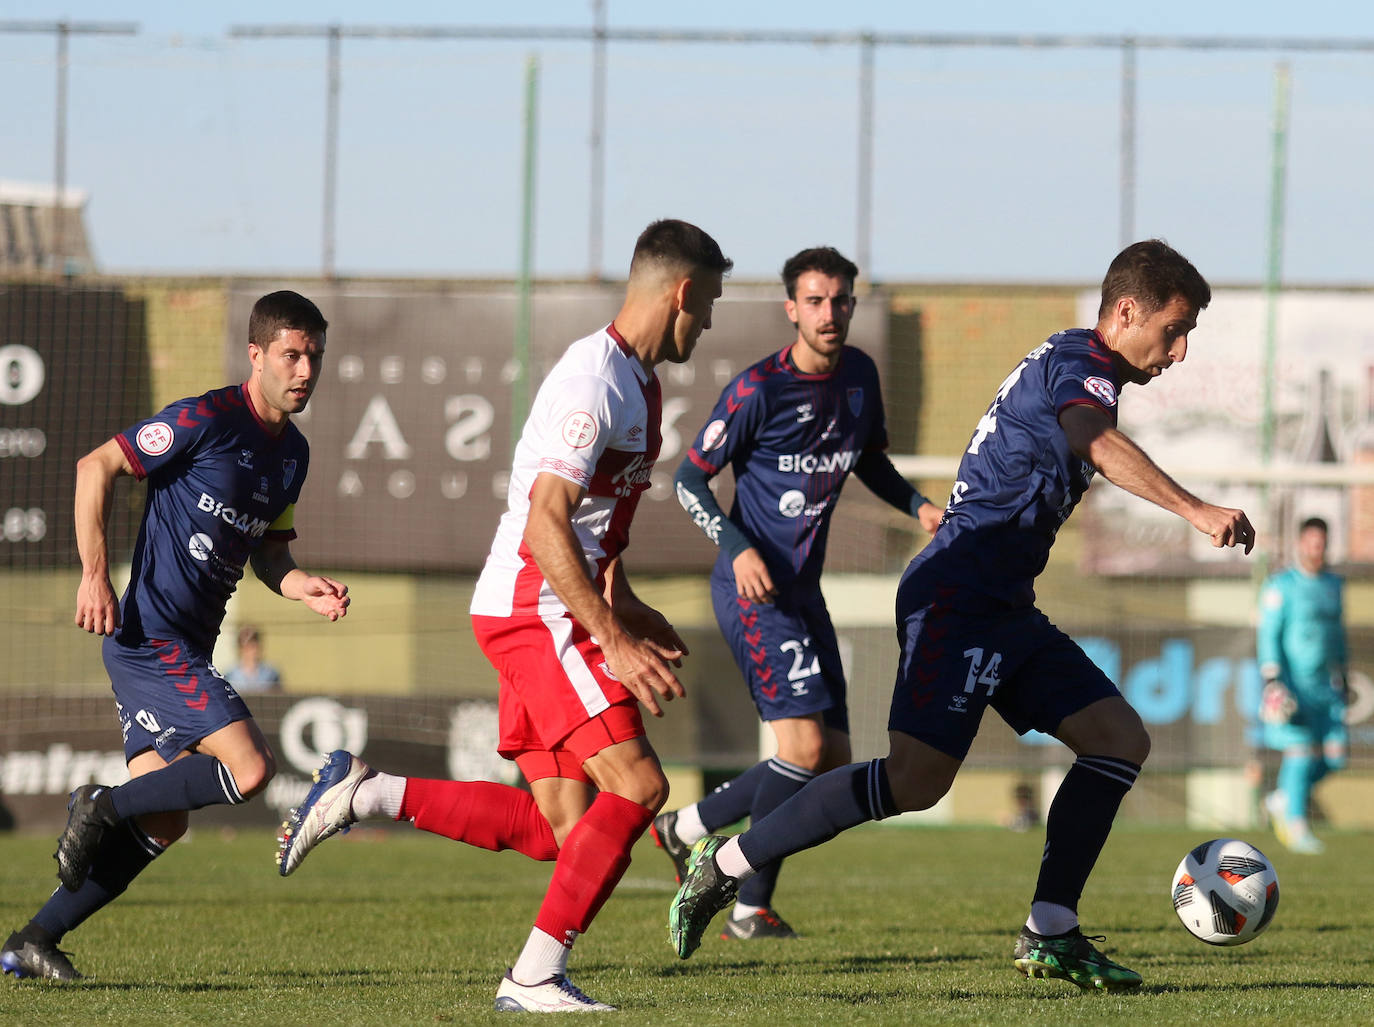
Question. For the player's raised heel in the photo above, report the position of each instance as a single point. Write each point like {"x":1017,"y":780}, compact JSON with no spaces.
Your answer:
{"x":1071,"y":957}
{"x":705,"y":892}
{"x":326,"y":811}
{"x":664,"y":832}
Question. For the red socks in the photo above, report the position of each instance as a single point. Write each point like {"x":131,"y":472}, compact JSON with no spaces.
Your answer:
{"x":594,"y":858}
{"x":482,"y":813}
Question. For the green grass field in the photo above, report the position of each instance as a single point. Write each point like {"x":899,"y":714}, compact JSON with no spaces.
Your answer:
{"x":901,"y":925}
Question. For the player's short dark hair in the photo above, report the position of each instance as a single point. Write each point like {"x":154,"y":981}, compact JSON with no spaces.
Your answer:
{"x":283,"y":311}
{"x":679,"y":248}
{"x":1314,"y":522}
{"x":1152,"y":272}
{"x":825,"y":259}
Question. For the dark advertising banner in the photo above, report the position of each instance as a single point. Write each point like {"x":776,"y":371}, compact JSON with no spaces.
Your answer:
{"x":411,"y":428}
{"x":72,"y":373}
{"x":50,"y":745}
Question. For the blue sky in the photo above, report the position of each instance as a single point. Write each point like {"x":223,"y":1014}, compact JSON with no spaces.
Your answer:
{"x":202,"y":153}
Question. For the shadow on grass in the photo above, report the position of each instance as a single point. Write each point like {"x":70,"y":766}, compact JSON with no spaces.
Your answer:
{"x":801,"y":965}
{"x":1212,"y":987}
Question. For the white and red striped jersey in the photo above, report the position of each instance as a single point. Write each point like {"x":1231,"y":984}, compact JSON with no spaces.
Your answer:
{"x":596,"y":422}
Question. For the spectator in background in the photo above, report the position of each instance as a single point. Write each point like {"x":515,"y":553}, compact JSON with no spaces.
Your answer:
{"x":1302,"y":657}
{"x":251,"y":674}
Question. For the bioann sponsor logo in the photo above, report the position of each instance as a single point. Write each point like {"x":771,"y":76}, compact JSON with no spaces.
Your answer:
{"x":812,"y":463}
{"x":253,"y":527}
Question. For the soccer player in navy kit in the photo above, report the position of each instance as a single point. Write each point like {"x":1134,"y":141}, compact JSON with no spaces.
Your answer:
{"x":972,"y":637}
{"x":792,"y":427}
{"x":224,"y":472}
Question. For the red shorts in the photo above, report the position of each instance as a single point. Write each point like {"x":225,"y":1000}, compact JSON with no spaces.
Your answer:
{"x":559,"y":705}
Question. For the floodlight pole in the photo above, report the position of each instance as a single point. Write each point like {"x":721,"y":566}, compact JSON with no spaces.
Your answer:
{"x":596,"y":215}
{"x":1128,"y":84}
{"x":64,"y":30}
{"x":863,"y":215}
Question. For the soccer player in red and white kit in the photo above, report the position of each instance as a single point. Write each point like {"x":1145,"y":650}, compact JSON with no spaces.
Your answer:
{"x":576,"y":650}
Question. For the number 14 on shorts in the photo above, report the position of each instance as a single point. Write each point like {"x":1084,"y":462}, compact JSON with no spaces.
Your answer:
{"x":980,"y":673}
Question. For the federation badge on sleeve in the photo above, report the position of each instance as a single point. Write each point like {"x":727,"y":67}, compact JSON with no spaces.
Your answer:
{"x":155,"y":438}
{"x":1101,"y":390}
{"x":579,"y":429}
{"x":712,"y":435}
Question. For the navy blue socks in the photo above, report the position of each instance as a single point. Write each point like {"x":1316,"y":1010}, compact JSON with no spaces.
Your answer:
{"x":189,"y":783}
{"x":1078,"y":823}
{"x":831,"y":803}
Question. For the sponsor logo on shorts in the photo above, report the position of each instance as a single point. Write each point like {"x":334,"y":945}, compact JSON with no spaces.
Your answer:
{"x":200,"y":546}
{"x":148,"y":722}
{"x":155,"y":438}
{"x":1101,"y":390}
{"x":579,"y":430}
{"x":712,"y":436}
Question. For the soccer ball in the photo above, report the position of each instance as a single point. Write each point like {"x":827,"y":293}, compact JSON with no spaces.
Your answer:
{"x":1225,"y":892}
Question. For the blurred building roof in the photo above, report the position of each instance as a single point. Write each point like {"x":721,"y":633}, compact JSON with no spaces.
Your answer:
{"x":39,"y":234}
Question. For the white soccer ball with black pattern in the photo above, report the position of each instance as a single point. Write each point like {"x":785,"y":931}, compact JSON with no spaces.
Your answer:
{"x":1225,"y":892}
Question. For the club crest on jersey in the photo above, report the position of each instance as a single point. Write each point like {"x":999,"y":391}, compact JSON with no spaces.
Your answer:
{"x":155,"y":438}
{"x":579,"y":430}
{"x":712,"y":435}
{"x":246,"y":458}
{"x":856,"y":399}
{"x":288,"y":471}
{"x":1101,"y":390}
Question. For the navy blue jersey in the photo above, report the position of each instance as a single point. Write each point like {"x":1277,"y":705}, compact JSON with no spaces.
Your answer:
{"x":1017,"y":483}
{"x":791,"y":440}
{"x":218,"y":483}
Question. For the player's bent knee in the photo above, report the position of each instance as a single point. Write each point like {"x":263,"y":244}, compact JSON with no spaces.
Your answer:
{"x":254,"y":774}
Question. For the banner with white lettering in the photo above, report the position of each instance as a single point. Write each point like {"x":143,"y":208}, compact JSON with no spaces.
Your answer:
{"x":412,"y":425}
{"x":73,"y":372}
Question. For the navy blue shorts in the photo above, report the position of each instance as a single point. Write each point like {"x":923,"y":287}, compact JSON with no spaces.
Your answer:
{"x":954,"y":665}
{"x":787,"y":652}
{"x":169,"y":696}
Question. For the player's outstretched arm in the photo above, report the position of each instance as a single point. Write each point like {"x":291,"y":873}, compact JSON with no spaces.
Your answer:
{"x":1092,"y":436}
{"x":642,"y":665}
{"x":276,"y":568}
{"x":97,"y":609}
